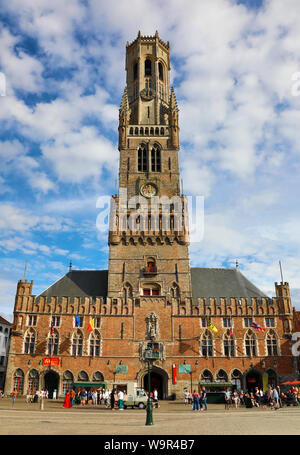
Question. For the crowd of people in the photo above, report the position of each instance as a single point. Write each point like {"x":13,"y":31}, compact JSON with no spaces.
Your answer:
{"x":110,"y":398}
{"x":272,"y":398}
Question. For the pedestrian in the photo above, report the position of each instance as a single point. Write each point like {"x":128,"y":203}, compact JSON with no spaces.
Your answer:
{"x":28,"y":395}
{"x":121,"y":400}
{"x":155,"y":398}
{"x":73,"y":395}
{"x":274,"y":396}
{"x":67,"y":402}
{"x":112,"y":400}
{"x":203,"y":399}
{"x":190,"y":397}
{"x":186,"y":397}
{"x":257,"y":396}
{"x":236,"y":399}
{"x":227,"y":399}
{"x":195,"y":401}
{"x":14,"y":394}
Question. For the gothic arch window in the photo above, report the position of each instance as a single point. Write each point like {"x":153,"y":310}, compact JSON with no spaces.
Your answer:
{"x":33,"y":381}
{"x":18,"y":381}
{"x":98,"y":377}
{"x":151,"y":131}
{"x":83,"y":376}
{"x":127,"y":292}
{"x":136,"y":131}
{"x":95,"y":344}
{"x":156,"y":131}
{"x":250,"y":344}
{"x":272,"y":377}
{"x":160,"y":71}
{"x":155,"y":159}
{"x":52,"y":343}
{"x":236,"y":378}
{"x":68,"y":381}
{"x":271,"y":343}
{"x":207,"y":344}
{"x":162,"y":131}
{"x":206,"y":376}
{"x":228,"y":345}
{"x":142,"y":158}
{"x":146,"y":131}
{"x":77,"y":343}
{"x":222,"y":376}
{"x":29,"y":341}
{"x":131,"y":131}
{"x":151,"y":265}
{"x":148,"y":67}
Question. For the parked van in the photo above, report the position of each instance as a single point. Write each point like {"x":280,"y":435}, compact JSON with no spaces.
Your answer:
{"x":134,"y":396}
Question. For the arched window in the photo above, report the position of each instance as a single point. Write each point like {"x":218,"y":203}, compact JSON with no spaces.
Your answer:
{"x":95,"y":342}
{"x":228,"y":344}
{"x":77,"y":343}
{"x":142,"y":159}
{"x":83,"y":376}
{"x":68,"y":381}
{"x":18,"y":383}
{"x":160,"y":71}
{"x":33,"y":381}
{"x":147,"y":67}
{"x":155,"y":159}
{"x":29,"y":342}
{"x":52,"y":347}
{"x":236,"y":379}
{"x":250,"y":344}
{"x":98,"y":377}
{"x":222,"y":376}
{"x":206,"y":376}
{"x":271,"y":341}
{"x":127,"y":292}
{"x":207,"y":344}
{"x":272,"y":377}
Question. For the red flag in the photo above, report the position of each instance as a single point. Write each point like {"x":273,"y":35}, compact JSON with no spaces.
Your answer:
{"x":52,"y":327}
{"x":91,"y":325}
{"x":231,"y":328}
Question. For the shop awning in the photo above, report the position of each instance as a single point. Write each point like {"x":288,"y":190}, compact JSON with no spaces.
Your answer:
{"x":89,"y":384}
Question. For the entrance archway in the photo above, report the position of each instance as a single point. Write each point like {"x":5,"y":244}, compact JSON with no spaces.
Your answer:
{"x":253,"y":379}
{"x":51,"y":382}
{"x":158,"y":380}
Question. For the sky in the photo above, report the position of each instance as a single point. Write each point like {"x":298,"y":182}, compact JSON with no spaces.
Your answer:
{"x":235,"y":69}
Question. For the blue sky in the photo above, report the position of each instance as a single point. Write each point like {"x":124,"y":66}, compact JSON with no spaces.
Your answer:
{"x":232,"y":69}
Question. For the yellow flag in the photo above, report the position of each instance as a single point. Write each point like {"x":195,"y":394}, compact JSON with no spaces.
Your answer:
{"x":91,"y":325}
{"x":211,"y":326}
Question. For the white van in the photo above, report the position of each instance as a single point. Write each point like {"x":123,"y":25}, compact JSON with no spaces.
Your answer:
{"x":134,"y":396}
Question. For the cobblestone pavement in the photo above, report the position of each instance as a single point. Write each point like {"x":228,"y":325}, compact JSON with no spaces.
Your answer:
{"x":172,"y":418}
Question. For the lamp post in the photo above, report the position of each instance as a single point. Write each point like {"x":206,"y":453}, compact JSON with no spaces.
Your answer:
{"x":151,"y":353}
{"x":149,"y":418}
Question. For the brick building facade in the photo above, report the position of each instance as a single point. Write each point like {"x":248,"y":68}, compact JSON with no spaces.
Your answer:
{"x":149,"y":294}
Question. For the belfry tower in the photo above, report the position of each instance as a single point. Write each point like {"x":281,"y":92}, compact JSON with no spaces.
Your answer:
{"x":148,"y":238}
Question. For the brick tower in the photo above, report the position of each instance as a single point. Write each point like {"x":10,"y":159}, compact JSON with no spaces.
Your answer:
{"x":148,"y":238}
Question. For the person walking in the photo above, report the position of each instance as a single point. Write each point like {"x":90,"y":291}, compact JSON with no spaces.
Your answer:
{"x":227,"y":399}
{"x":236,"y":399}
{"x":121,"y":400}
{"x":14,"y":395}
{"x":155,"y":398}
{"x":67,"y":402}
{"x":274,"y":397}
{"x":203,"y":400}
{"x":28,"y":396}
{"x":186,"y":397}
{"x":195,"y":401}
{"x":112,"y":400}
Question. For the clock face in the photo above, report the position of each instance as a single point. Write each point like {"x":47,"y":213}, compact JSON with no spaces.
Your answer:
{"x":147,"y":94}
{"x":149,"y":190}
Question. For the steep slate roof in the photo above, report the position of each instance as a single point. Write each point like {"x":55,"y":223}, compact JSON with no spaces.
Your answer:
{"x":79,"y":283}
{"x":205,"y":283}
{"x":222,"y":283}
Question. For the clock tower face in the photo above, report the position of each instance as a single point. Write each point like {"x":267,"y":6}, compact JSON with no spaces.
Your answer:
{"x":149,"y":190}
{"x":147,"y":94}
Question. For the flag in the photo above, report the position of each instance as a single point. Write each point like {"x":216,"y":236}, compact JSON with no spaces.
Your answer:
{"x":91,"y":325}
{"x":231,"y":328}
{"x":77,"y":321}
{"x":257,"y":326}
{"x":52,"y":327}
{"x":211,"y":326}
